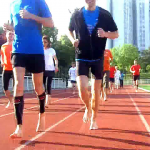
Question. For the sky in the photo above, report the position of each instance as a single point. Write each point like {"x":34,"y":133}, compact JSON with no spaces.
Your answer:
{"x":58,"y":8}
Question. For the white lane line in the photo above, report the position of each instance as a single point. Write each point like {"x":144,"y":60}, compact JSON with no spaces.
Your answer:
{"x":36,"y":106}
{"x":2,"y":104}
{"x":29,"y":99}
{"x":51,"y":102}
{"x":6,"y":114}
{"x":47,"y":130}
{"x":140,"y":114}
{"x":144,"y":89}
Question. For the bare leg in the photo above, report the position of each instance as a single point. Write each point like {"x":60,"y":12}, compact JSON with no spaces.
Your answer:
{"x":38,"y":86}
{"x":19,"y":73}
{"x":82,"y":82}
{"x":8,"y":95}
{"x":95,"y":90}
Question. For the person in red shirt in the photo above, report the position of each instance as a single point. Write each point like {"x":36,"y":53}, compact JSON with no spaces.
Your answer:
{"x":135,"y":69}
{"x":112,"y":76}
{"x":106,"y":74}
{"x":7,"y":74}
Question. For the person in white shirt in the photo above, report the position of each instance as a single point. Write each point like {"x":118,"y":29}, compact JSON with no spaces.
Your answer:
{"x":117,"y":75}
{"x":50,"y":67}
{"x":72,"y":75}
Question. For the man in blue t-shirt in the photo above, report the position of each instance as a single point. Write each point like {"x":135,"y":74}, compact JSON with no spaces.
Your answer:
{"x":27,"y":18}
{"x":92,"y":26}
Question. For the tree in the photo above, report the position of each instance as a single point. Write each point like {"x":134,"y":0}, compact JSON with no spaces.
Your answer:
{"x":51,"y":33}
{"x":124,"y":56}
{"x":148,"y":68}
{"x":64,"y":50}
{"x":66,"y":54}
{"x":144,"y":59}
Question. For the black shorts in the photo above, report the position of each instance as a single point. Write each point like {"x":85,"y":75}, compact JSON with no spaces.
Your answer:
{"x":136,"y":77}
{"x":96,"y":68}
{"x":112,"y":80}
{"x":6,"y":76}
{"x":34,"y":63}
{"x":48,"y":73}
{"x":72,"y":81}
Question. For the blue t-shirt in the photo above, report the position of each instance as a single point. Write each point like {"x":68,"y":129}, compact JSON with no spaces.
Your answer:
{"x":121,"y":76}
{"x":91,"y":18}
{"x":28,"y":33}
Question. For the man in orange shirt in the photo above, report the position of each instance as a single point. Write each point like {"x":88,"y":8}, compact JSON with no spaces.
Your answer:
{"x":107,"y":58}
{"x":7,"y":74}
{"x":135,"y":69}
{"x":112,"y":77}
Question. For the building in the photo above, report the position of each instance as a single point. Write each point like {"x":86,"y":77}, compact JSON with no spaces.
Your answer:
{"x":133,"y":20}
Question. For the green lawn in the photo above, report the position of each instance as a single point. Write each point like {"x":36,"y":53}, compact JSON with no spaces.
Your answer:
{"x":146,"y":87}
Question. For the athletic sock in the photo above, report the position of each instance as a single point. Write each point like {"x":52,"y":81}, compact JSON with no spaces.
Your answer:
{"x":42,"y":102}
{"x":18,"y":106}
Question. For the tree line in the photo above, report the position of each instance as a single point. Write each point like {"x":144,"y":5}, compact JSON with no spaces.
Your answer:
{"x":124,"y":55}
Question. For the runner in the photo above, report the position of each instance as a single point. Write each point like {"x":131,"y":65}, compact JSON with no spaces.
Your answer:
{"x":7,"y":74}
{"x":72,"y":75}
{"x":121,"y":79}
{"x":28,"y":53}
{"x":117,"y":76}
{"x":50,"y":68}
{"x":112,"y":78}
{"x":107,"y":58}
{"x":135,"y":69}
{"x":92,"y":26}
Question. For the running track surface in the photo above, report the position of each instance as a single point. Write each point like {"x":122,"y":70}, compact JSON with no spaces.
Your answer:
{"x":124,"y":123}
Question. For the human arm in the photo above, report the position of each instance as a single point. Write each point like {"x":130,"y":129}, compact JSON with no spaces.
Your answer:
{"x":44,"y":16}
{"x":56,"y":63}
{"x":74,"y":41}
{"x":109,"y":35}
{"x":2,"y":58}
{"x":46,"y":22}
{"x":131,"y":70}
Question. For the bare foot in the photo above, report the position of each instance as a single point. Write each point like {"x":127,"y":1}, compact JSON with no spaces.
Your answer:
{"x":17,"y":133}
{"x":41,"y":123}
{"x":93,"y":125}
{"x":48,"y":101}
{"x":86,"y":116}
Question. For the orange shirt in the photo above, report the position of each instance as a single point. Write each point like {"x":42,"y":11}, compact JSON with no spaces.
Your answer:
{"x":107,"y":57}
{"x":6,"y":51}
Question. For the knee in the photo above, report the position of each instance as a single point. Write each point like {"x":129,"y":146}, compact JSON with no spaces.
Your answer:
{"x":39,"y":89}
{"x":83,"y":91}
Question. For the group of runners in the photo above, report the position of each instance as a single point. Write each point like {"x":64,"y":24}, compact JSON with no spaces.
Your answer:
{"x":26,"y":49}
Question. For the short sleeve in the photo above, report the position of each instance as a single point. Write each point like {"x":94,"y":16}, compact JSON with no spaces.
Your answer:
{"x":111,"y":25}
{"x":69,"y":72}
{"x":54,"y":52}
{"x":71,"y":24}
{"x":44,"y":9}
{"x":132,"y":68}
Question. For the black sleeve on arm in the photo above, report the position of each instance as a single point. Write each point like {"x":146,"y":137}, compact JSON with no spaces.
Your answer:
{"x":71,"y":24}
{"x":111,"y":25}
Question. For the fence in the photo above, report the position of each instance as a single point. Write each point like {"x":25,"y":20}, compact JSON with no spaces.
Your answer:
{"x":28,"y":85}
{"x":58,"y":83}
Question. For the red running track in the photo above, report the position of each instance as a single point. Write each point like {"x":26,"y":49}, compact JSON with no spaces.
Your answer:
{"x":124,"y":123}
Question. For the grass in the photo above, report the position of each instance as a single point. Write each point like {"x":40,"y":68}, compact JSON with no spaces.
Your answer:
{"x":146,"y":87}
